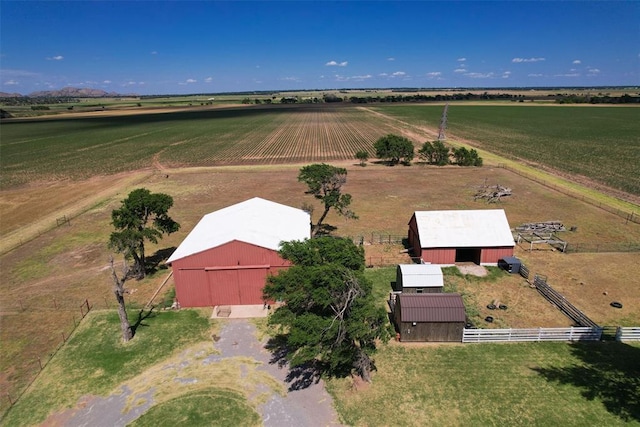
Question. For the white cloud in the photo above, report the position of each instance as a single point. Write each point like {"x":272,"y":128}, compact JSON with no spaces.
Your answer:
{"x":55,"y":58}
{"x":460,"y":70}
{"x":336,"y":64}
{"x":399,"y":74}
{"x":568,"y":75}
{"x":391,"y":59}
{"x":364,"y":77}
{"x":462,"y":59}
{"x":593,"y":72}
{"x":11,"y":83}
{"x":534,"y":75}
{"x":527,"y":60}
{"x":506,"y":74}
{"x":480,"y":75}
{"x":208,"y":80}
{"x":192,"y":81}
{"x":383,"y":74}
{"x":154,"y":52}
{"x":106,"y":82}
{"x":291,"y":79}
{"x":434,"y":74}
{"x":8,"y":73}
{"x":576,"y":61}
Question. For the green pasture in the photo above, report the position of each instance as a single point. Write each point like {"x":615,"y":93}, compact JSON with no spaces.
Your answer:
{"x":601,"y":143}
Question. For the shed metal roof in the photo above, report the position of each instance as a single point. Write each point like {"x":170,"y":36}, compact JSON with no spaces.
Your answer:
{"x":257,"y":221}
{"x":421,"y":275}
{"x":431,"y":308}
{"x":463,"y":228}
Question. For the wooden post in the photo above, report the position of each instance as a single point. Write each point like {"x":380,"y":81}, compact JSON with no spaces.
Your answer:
{"x":64,"y":339}
{"x":40,"y":362}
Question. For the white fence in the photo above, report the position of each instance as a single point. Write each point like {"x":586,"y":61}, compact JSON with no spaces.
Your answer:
{"x":537,"y":334}
{"x":628,"y":334}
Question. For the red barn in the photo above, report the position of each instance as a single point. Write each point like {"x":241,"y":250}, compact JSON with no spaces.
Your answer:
{"x":447,"y":237}
{"x":227,"y":257}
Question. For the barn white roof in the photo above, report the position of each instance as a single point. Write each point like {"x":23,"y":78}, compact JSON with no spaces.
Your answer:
{"x":256,"y":221}
{"x":463,"y":228}
{"x":421,"y":275}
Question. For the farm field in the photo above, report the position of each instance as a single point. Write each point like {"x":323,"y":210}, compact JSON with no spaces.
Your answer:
{"x":599,"y":144}
{"x":594,"y":144}
{"x":80,"y":148}
{"x":88,"y":165}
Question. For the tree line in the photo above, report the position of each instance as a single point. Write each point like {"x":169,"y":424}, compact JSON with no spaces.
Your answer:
{"x":395,"y":149}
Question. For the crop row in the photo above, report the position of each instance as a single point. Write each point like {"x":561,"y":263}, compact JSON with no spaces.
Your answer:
{"x":79,"y":148}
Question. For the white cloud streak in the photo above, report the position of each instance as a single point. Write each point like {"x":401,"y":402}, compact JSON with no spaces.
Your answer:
{"x":518,"y":60}
{"x":336,"y":64}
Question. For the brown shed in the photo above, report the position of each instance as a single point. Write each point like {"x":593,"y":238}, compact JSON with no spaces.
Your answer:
{"x":227,"y":257}
{"x":429,"y":317}
{"x":447,"y":237}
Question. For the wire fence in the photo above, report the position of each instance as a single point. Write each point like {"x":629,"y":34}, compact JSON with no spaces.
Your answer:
{"x":626,"y":215}
{"x":31,"y":361}
{"x":375,"y":238}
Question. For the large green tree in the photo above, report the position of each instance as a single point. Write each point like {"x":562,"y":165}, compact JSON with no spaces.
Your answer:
{"x":394,"y":148}
{"x":435,"y":153}
{"x":142,"y":216}
{"x":464,"y":157}
{"x":325,"y":183}
{"x":329,"y":318}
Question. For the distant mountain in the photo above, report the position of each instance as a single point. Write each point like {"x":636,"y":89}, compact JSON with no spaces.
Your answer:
{"x":74,"y":92}
{"x":10,"y":95}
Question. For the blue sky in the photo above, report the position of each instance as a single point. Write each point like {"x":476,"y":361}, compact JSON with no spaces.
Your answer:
{"x":206,"y":47}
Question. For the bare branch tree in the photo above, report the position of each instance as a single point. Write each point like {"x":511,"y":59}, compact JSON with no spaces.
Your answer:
{"x":119,"y":290}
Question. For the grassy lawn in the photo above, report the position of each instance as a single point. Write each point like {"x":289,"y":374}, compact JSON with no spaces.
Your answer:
{"x":213,"y":407}
{"x":95,"y":360}
{"x":493,"y":384}
{"x":537,"y":384}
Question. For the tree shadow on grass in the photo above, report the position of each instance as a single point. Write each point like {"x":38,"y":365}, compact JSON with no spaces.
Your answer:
{"x":153,"y":262}
{"x":610,"y":372}
{"x":299,"y":377}
{"x":142,"y":315}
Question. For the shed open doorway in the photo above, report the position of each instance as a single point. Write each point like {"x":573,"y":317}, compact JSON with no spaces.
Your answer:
{"x":468,"y":255}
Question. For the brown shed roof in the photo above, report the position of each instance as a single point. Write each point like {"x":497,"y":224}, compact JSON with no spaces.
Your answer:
{"x":431,"y":308}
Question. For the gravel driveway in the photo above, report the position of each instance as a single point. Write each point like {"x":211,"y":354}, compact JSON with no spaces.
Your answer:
{"x":309,"y":406}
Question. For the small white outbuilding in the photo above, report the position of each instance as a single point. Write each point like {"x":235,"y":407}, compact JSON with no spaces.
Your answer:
{"x":419,"y":278}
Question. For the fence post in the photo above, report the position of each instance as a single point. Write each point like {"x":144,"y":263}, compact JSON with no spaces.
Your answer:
{"x":64,"y":339}
{"x":40,"y":362}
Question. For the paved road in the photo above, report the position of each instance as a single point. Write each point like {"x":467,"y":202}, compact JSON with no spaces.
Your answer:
{"x":311,"y":406}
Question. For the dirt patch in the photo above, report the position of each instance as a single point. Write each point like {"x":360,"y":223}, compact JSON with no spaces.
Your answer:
{"x":473,"y":269}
